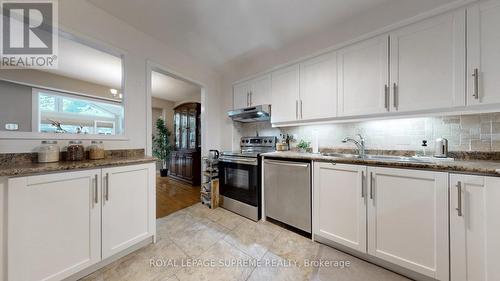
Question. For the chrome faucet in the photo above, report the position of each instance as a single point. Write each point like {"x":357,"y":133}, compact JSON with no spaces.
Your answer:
{"x":359,"y":144}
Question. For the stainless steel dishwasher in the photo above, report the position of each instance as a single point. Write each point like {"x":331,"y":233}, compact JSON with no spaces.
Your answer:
{"x":287,"y":192}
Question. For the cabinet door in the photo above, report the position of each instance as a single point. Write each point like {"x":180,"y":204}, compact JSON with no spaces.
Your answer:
{"x":474,"y":228}
{"x":54,"y":225}
{"x":339,"y":205}
{"x":408,"y":219}
{"x":483,"y":43}
{"x":363,"y":77}
{"x":428,"y":64}
{"x":128,"y":207}
{"x":260,"y":91}
{"x":318,"y":87}
{"x":241,"y":96}
{"x":285,"y":94}
{"x":173,"y":164}
{"x":188,"y":164}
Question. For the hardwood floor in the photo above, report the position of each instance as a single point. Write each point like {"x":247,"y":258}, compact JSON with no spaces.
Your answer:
{"x":173,"y":195}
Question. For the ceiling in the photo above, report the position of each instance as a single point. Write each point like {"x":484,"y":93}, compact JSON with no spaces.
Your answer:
{"x":215,"y":32}
{"x":172,"y":89}
{"x":79,"y":61}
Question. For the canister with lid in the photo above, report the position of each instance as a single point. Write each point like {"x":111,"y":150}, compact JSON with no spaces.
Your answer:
{"x":75,"y":151}
{"x":48,"y":152}
{"x":96,"y":150}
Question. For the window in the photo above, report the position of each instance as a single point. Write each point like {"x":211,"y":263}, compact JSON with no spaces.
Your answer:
{"x":76,"y":114}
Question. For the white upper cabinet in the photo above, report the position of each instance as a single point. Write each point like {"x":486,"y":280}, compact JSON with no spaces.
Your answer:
{"x":474,"y":228}
{"x":260,"y":90}
{"x":254,"y":92}
{"x":363,"y":71}
{"x":128,"y":207}
{"x":241,"y":95}
{"x":428,"y":64}
{"x":285,"y":94}
{"x":408,"y":219}
{"x":483,"y":45}
{"x":318,"y":87}
{"x":53,"y":225}
{"x":339,"y":209}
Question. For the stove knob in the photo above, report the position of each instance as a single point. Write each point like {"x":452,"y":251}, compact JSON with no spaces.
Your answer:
{"x":242,"y":141}
{"x":247,"y":141}
{"x":265,"y":141}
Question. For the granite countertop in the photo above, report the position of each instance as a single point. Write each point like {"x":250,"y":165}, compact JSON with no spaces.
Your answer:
{"x":25,"y":169}
{"x":479,"y":167}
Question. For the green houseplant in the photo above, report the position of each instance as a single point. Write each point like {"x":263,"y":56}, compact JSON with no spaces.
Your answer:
{"x":161,"y":145}
{"x":303,"y":145}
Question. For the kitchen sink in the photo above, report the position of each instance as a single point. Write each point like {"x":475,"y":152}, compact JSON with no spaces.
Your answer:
{"x":341,"y":155}
{"x":389,"y":158}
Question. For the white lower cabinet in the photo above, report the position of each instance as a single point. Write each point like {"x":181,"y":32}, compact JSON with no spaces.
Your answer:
{"x":474,"y":228}
{"x":53,"y":225}
{"x":126,"y":207}
{"x":339,"y":211}
{"x":60,"y":224}
{"x":397,"y":215}
{"x":408,"y":219}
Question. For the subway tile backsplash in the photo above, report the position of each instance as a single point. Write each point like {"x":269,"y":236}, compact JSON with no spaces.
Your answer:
{"x":480,"y":132}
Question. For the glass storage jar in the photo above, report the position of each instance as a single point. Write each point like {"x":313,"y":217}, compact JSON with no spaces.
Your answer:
{"x":96,"y":150}
{"x":48,"y":152}
{"x":75,"y":151}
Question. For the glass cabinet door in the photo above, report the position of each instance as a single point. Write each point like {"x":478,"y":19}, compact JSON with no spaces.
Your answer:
{"x":177,"y":129}
{"x":192,"y":129}
{"x":184,"y":130}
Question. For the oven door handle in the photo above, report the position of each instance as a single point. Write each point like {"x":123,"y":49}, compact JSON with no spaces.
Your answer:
{"x":254,"y":162}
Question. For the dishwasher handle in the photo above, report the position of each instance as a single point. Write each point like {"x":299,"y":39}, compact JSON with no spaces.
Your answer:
{"x":285,"y":163}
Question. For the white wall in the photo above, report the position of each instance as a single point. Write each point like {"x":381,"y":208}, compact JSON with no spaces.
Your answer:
{"x":83,"y":19}
{"x":358,"y":25}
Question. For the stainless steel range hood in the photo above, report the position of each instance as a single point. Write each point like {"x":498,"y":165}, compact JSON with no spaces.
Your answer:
{"x":251,"y":114}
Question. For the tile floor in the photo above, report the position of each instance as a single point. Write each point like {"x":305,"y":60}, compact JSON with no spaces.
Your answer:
{"x":197,"y":243}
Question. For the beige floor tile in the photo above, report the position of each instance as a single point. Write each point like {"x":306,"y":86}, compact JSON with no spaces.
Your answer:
{"x":199,"y":238}
{"x":230,"y":220}
{"x":358,"y":270}
{"x":205,"y":234}
{"x":219,"y":253}
{"x":275,"y":268}
{"x":291,"y":246}
{"x":254,"y":239}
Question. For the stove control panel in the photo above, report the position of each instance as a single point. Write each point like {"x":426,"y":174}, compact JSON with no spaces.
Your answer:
{"x":258,"y":141}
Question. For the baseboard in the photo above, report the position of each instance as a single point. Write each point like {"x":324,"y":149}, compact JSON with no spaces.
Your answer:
{"x":374,"y":260}
{"x":109,"y":260}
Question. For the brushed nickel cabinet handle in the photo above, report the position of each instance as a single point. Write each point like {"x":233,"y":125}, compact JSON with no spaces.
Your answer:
{"x":475,"y":75}
{"x":386,"y":97}
{"x":372,"y":186}
{"x":363,"y":184}
{"x":459,"y":198}
{"x":297,"y":109}
{"x":107,"y":186}
{"x":396,"y":96}
{"x":301,"y":115}
{"x":248,"y":99}
{"x":96,"y":196}
{"x":251,"y":98}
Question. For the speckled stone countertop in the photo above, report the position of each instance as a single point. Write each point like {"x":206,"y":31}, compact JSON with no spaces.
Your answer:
{"x":25,"y":169}
{"x":477,"y":167}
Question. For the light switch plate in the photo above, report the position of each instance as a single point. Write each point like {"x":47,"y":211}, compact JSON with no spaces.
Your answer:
{"x":11,"y":127}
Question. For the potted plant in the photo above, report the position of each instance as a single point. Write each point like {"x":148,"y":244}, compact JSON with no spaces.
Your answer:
{"x":161,"y":145}
{"x":303,"y":145}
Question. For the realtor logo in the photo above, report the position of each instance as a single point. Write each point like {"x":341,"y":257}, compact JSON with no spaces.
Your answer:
{"x":29,"y":34}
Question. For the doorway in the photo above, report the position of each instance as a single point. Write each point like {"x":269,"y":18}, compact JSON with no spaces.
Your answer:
{"x":176,"y":127}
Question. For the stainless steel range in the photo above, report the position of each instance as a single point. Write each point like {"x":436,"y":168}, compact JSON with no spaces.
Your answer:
{"x":240,"y":176}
